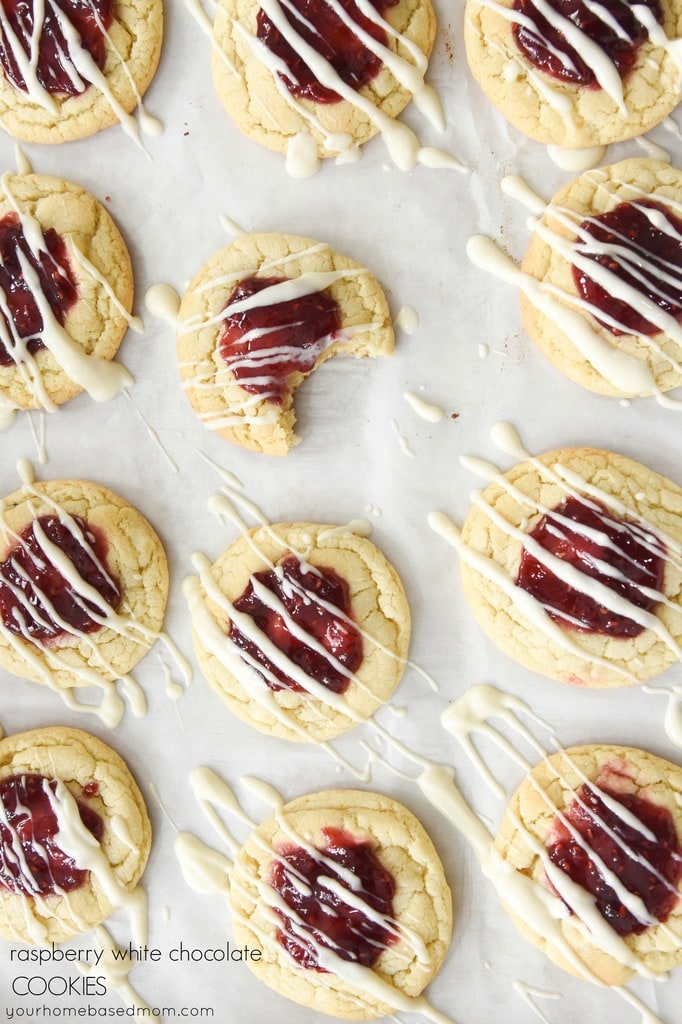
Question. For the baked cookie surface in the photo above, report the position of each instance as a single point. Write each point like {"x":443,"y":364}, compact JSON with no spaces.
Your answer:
{"x":80,"y":788}
{"x":241,"y":382}
{"x":257,"y":97}
{"x":78,"y":543}
{"x":346,"y":630}
{"x":637,"y":796}
{"x":623,"y":521}
{"x":95,"y":84}
{"x":82,"y":316}
{"x":581,"y":253}
{"x":416,"y":918}
{"x":567,"y":113}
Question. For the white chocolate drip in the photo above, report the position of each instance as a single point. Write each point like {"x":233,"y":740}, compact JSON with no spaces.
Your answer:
{"x":46,"y":661}
{"x":629,"y":374}
{"x":101,"y":378}
{"x":426,"y":410}
{"x":78,"y":64}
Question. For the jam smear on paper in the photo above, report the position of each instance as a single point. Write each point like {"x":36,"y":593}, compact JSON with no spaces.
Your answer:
{"x":321,"y":912}
{"x":317,"y":601}
{"x":650,"y":868}
{"x":321,"y":27}
{"x":36,"y":600}
{"x":635,"y":559}
{"x":39,"y":867}
{"x":264,"y":344}
{"x":649,"y":260}
{"x":55,"y":71}
{"x":56,"y":278}
{"x":548,"y":49}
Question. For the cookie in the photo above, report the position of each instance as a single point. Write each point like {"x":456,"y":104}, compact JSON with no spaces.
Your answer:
{"x":609,"y":820}
{"x":240,"y":359}
{"x":571,"y":564}
{"x":342,"y":954}
{"x":605,"y":86}
{"x":59,"y":789}
{"x":95,"y":63}
{"x":325,"y":87}
{"x":302,"y":629}
{"x":102,"y":581}
{"x":605,"y":253}
{"x":66,"y":284}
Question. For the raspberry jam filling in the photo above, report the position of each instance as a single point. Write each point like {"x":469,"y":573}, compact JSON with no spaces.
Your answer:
{"x":634,"y":559}
{"x":322,"y":28}
{"x":31,"y":860}
{"x":56,"y":68}
{"x":263,"y":345}
{"x":322,"y":917}
{"x":309,"y":599}
{"x":619,"y":35}
{"x":35,"y":598}
{"x":650,"y":263}
{"x":648,"y":868}
{"x":57,"y":284}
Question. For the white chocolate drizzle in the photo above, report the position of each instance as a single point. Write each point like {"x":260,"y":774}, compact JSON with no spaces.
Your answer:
{"x":261,"y":407}
{"x":426,"y":410}
{"x":605,"y":506}
{"x":101,"y":378}
{"x":576,"y":317}
{"x":78,"y":64}
{"x":208,"y":871}
{"x":403,"y":145}
{"x":607,"y":76}
{"x":46,"y":662}
{"x":202,"y":588}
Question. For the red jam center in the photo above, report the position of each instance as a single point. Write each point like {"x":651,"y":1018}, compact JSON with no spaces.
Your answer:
{"x":55,"y":67}
{"x":540,"y":41}
{"x":347,"y":930}
{"x":57,"y":283}
{"x":36,"y":600}
{"x":31,"y":861}
{"x":265,"y":344}
{"x":304,"y":595}
{"x":625,"y":547}
{"x":598,"y":826}
{"x":338,"y":44}
{"x":649,"y":260}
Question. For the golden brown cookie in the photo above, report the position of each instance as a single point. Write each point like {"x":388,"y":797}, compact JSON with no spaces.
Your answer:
{"x":62,"y":780}
{"x":103,"y":580}
{"x":599,"y":236}
{"x":539,"y":547}
{"x":239,"y":360}
{"x":87,"y":87}
{"x":79,"y":309}
{"x":591,"y":103}
{"x":401,"y":893}
{"x":320,"y":632}
{"x":585,"y":815}
{"x":377,"y":87}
